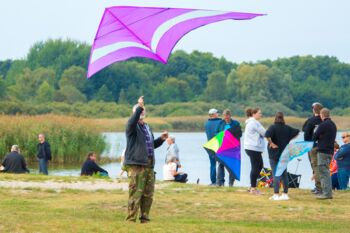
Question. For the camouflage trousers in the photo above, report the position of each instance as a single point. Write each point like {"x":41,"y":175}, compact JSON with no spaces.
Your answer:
{"x":141,"y":190}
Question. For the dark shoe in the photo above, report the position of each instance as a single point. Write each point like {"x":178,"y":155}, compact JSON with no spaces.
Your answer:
{"x":145,"y":220}
{"x":323,"y":197}
{"x":313,"y":190}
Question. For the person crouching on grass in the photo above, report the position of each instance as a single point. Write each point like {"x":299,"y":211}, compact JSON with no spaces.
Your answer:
{"x":170,"y":172}
{"x":139,"y":163}
{"x":90,"y":166}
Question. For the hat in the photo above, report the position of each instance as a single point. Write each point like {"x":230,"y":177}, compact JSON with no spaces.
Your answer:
{"x":316,"y":103}
{"x":213,"y":111}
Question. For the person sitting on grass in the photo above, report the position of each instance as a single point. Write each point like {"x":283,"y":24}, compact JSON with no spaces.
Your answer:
{"x":14,"y":162}
{"x":90,"y":167}
{"x":171,"y":174}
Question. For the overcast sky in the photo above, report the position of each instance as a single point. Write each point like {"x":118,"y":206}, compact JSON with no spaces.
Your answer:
{"x":297,"y":27}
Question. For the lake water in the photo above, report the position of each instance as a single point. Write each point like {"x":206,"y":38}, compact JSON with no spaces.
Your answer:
{"x":194,"y":160}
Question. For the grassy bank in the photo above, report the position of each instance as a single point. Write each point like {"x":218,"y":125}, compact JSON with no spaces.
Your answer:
{"x":176,"y":208}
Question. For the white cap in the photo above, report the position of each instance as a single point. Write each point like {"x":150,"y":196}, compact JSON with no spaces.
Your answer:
{"x":213,"y":111}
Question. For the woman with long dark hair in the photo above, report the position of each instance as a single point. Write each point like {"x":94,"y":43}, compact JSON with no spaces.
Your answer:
{"x":279,"y":135}
{"x":254,"y":145}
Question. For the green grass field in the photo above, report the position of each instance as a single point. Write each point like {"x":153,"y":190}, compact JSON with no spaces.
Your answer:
{"x":176,"y":208}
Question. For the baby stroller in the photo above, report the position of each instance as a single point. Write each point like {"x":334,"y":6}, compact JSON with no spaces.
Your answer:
{"x":265,"y":178}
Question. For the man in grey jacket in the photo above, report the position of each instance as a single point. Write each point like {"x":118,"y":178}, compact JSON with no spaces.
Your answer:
{"x":139,"y":162}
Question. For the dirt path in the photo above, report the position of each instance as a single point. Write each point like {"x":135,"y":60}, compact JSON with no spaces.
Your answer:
{"x":76,"y":185}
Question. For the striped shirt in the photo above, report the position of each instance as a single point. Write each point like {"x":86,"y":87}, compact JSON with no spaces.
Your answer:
{"x":149,"y":139}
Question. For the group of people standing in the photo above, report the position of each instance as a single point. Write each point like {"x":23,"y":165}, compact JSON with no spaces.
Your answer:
{"x":319,"y":128}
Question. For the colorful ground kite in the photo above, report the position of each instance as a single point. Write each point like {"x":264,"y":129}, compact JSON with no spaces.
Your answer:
{"x":227,"y":150}
{"x":292,"y":151}
{"x":127,"y":32}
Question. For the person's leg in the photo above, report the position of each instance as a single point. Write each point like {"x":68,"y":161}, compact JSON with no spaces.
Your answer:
{"x":285,"y":181}
{"x":136,"y":175}
{"x":181,"y":178}
{"x":231,"y":180}
{"x":276,"y":179}
{"x":256,"y":166}
{"x":314,"y":166}
{"x":43,"y":166}
{"x":147,"y":197}
{"x":343,"y":178}
{"x":325,"y":178}
{"x":221,"y":175}
{"x":212,"y":168}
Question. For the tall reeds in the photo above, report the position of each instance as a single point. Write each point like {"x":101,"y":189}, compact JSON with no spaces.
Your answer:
{"x":70,"y":137}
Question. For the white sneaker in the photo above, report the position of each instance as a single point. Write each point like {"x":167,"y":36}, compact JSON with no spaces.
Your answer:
{"x":284,"y":197}
{"x":275,"y":197}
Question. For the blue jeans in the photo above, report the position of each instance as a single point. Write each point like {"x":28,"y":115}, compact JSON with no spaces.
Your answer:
{"x":43,"y":166}
{"x":212,"y":167}
{"x":343,"y":178}
{"x":277,"y":179}
{"x":221,"y":176}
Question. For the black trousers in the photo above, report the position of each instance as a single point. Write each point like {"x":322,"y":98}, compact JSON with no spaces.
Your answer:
{"x":256,"y":163}
{"x":182,"y":178}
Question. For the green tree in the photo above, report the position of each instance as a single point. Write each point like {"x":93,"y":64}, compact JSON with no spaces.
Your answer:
{"x":104,"y":94}
{"x":69,"y":94}
{"x":2,"y":88}
{"x":122,"y":97}
{"x":45,"y":93}
{"x":216,"y":86}
{"x":73,"y":76}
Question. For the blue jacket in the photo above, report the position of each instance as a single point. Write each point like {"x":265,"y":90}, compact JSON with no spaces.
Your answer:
{"x":211,"y":126}
{"x":343,"y":157}
{"x":234,"y":125}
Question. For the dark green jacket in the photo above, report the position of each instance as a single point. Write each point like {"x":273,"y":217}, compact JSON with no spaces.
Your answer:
{"x":136,"y":150}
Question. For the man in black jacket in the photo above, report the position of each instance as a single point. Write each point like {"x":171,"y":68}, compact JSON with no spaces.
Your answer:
{"x":43,"y":154}
{"x":14,"y":162}
{"x":325,"y":136}
{"x":309,"y":128}
{"x":139,"y":163}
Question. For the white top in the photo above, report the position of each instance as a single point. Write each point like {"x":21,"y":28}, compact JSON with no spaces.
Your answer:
{"x":254,"y":134}
{"x":168,"y":171}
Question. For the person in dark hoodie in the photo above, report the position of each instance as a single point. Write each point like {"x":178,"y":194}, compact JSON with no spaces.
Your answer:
{"x":343,"y":161}
{"x":325,"y":137}
{"x":14,"y":162}
{"x":210,"y":129}
{"x":139,"y":163}
{"x":309,"y":128}
{"x":43,"y":154}
{"x":90,"y":166}
{"x":227,"y":123}
{"x":278,"y":136}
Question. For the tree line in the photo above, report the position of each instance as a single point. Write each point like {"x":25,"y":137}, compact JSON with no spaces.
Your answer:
{"x":54,"y":74}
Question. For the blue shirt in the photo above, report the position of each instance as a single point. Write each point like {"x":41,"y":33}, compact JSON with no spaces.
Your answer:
{"x":343,"y":157}
{"x":211,"y":126}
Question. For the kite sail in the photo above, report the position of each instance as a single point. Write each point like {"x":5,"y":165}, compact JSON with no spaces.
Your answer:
{"x":292,"y":151}
{"x":127,"y":31}
{"x":227,"y":148}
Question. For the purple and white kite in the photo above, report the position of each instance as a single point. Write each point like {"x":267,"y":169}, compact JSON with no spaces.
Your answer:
{"x":127,"y":32}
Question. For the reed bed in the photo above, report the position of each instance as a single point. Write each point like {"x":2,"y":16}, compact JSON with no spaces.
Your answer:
{"x":70,"y":137}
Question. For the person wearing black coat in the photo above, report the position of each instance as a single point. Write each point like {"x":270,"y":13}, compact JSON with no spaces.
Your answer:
{"x":279,"y":135}
{"x":14,"y":162}
{"x":325,"y":137}
{"x":90,"y":166}
{"x":43,"y":154}
{"x":139,"y":163}
{"x":309,"y":127}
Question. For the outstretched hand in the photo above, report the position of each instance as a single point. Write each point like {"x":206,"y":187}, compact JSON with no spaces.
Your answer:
{"x":164,"y":135}
{"x":141,"y":102}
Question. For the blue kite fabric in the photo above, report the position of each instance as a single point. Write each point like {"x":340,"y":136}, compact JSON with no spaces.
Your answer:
{"x":293,"y":150}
